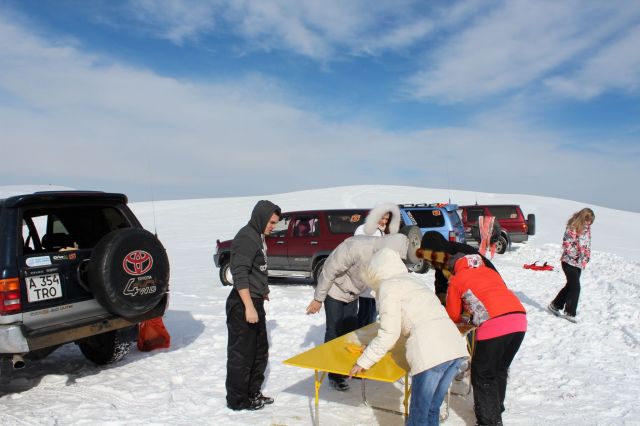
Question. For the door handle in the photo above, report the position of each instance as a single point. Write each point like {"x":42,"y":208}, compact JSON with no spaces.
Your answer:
{"x":279,"y":242}
{"x":314,"y":243}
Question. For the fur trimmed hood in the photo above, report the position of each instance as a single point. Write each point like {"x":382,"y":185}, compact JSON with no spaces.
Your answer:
{"x":376,"y":213}
{"x":386,"y":263}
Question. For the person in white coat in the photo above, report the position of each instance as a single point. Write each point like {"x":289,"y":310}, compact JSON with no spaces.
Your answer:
{"x":434,"y":347}
{"x":384,"y":219}
{"x":341,"y":282}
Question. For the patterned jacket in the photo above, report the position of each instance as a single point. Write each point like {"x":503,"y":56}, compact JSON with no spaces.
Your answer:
{"x":576,"y":249}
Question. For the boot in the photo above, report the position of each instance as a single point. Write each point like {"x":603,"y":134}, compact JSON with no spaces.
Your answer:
{"x":258,"y":396}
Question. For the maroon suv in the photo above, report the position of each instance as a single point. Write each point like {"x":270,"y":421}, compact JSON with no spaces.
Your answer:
{"x":514,"y":227}
{"x":300,"y":242}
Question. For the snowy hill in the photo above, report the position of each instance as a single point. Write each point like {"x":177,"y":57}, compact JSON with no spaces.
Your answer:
{"x":580,"y":374}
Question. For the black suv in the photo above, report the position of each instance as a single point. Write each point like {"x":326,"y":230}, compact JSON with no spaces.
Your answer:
{"x":76,"y":266}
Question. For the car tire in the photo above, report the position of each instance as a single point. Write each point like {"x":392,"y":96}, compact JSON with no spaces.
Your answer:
{"x":502,"y":244}
{"x":129,"y":272}
{"x":105,"y":348}
{"x":414,"y":263}
{"x":414,"y":235}
{"x":317,"y":270}
{"x":420,"y":267}
{"x":225,"y":273}
{"x":531,"y":224}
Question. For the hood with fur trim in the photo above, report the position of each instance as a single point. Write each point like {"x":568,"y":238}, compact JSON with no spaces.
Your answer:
{"x":385,"y":263}
{"x":376,"y":213}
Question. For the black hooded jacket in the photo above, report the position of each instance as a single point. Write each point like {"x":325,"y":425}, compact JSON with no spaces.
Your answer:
{"x":434,"y":240}
{"x":249,"y":252}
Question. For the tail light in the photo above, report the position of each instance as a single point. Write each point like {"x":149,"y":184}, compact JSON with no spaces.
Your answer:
{"x":10,"y":296}
{"x":452,"y":236}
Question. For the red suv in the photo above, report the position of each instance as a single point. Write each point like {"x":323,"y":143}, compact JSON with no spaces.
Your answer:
{"x":515,"y":228}
{"x":300,"y":242}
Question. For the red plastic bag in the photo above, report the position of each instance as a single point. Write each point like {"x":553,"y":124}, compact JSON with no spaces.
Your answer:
{"x":152,"y":334}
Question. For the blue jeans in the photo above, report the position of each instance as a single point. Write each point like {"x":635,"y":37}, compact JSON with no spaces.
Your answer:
{"x":427,"y":393}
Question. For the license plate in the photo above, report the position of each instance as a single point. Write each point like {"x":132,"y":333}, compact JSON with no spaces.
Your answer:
{"x":43,"y":287}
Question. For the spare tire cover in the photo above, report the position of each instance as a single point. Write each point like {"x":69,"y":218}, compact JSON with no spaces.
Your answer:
{"x":531,"y":224}
{"x":414,"y":235}
{"x":129,"y":272}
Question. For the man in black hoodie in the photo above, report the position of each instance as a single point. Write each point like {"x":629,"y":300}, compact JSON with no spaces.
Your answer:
{"x":248,"y":347}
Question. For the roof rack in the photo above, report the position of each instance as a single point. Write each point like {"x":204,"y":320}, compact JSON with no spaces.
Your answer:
{"x":424,"y":205}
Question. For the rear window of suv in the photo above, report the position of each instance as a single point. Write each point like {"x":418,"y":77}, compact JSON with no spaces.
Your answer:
{"x":81,"y":227}
{"x":504,"y":212}
{"x":426,"y":218}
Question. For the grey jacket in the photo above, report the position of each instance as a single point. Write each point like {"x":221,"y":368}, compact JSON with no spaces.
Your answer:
{"x":249,"y":251}
{"x":342,"y":275}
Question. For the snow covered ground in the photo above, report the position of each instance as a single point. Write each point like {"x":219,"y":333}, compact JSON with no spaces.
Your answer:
{"x":584,"y":374}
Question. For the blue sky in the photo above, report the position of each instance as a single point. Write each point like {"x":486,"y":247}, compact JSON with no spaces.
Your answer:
{"x":195,"y":99}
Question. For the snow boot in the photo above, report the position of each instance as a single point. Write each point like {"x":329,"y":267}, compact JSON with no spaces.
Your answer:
{"x":555,"y":311}
{"x":253,"y":405}
{"x":340,"y":384}
{"x":258,"y":396}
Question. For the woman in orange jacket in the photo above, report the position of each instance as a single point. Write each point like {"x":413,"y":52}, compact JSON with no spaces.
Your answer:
{"x":480,"y":293}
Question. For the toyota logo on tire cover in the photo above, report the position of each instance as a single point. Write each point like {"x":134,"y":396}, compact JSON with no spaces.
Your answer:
{"x":137,"y":262}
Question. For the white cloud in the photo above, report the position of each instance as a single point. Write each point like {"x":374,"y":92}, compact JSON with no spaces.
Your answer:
{"x":175,"y":20}
{"x":614,"y":67}
{"x":83,"y":121}
{"x":472,"y":50}
{"x":516,"y":44}
{"x":320,"y":30}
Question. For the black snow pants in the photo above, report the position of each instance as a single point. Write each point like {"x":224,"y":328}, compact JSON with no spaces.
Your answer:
{"x":342,"y":318}
{"x":247,"y":351}
{"x":568,"y":297}
{"x":489,"y":369}
{"x":440,"y":283}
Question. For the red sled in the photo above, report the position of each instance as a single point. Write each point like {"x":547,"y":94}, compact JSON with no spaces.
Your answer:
{"x":535,"y":267}
{"x":152,"y":334}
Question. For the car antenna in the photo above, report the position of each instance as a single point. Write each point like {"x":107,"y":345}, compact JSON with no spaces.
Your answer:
{"x":153,"y":204}
{"x":448,"y":182}
{"x":153,"y":209}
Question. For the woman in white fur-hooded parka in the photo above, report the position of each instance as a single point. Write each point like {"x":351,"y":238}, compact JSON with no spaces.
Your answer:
{"x":434,"y":347}
{"x":384,"y":219}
